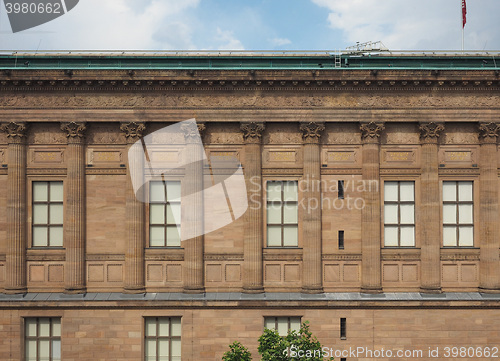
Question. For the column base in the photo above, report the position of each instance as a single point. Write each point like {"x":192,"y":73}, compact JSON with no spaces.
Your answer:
{"x":489,"y":290}
{"x":194,"y":290}
{"x":74,"y":291}
{"x":312,"y":290}
{"x":371,"y":289}
{"x":253,"y":289}
{"x":431,"y":290}
{"x":15,"y":290}
{"x":134,"y":290}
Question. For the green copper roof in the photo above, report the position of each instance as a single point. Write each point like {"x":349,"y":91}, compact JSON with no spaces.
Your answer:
{"x":248,"y":61}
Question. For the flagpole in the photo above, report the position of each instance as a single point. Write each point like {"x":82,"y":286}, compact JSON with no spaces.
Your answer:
{"x":463,"y":38}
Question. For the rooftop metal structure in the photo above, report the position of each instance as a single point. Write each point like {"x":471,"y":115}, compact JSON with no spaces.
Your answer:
{"x":362,"y":58}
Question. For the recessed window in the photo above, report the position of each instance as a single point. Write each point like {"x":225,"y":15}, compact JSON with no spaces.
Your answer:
{"x":42,"y":339}
{"x":340,"y":189}
{"x":48,"y":214}
{"x":165,"y":214}
{"x":341,"y":239}
{"x":162,"y":339}
{"x":282,"y":324}
{"x":399,"y":214}
{"x":343,"y":328}
{"x":282,"y":214}
{"x":458,"y":217}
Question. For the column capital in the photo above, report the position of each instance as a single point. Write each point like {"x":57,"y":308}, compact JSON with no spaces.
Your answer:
{"x":16,"y":132}
{"x":370,"y":132}
{"x":252,"y":131}
{"x":311,"y":131}
{"x":488,"y":132}
{"x":133,"y":131}
{"x":430,"y":132}
{"x":75,"y":131}
{"x":192,"y":131}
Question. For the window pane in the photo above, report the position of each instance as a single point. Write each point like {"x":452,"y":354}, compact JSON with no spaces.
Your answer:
{"x":40,"y":191}
{"x":44,"y":350}
{"x":466,"y":236}
{"x":407,"y":213}
{"x":56,"y":236}
{"x":274,"y":213}
{"x":283,"y":326}
{"x":150,"y":327}
{"x":391,"y":191}
{"x":56,"y":214}
{"x":150,"y":346}
{"x":290,"y":191}
{"x":44,"y":327}
{"x":391,"y":236}
{"x":274,"y":236}
{"x":39,"y":236}
{"x":465,"y":191}
{"x":391,"y":213}
{"x":56,"y":350}
{"x":173,"y":191}
{"x":465,"y":213}
{"x":290,"y":236}
{"x":173,"y":238}
{"x":30,"y":327}
{"x":449,"y":213}
{"x":174,"y":213}
{"x":157,"y":214}
{"x":449,"y":191}
{"x":295,"y":323}
{"x":269,"y":323}
{"x":56,"y":327}
{"x":56,"y":191}
{"x":406,"y":190}
{"x":163,"y":327}
{"x":157,"y":192}
{"x":449,"y":236}
{"x":31,"y":350}
{"x":163,"y":350}
{"x":176,"y":348}
{"x":274,"y":191}
{"x":290,"y":213}
{"x":407,"y":236}
{"x":156,"y":236}
{"x":176,"y":326}
{"x":40,"y":214}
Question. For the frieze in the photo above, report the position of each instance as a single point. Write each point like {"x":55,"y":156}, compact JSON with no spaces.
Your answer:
{"x":164,"y":257}
{"x":334,"y":171}
{"x":223,"y":257}
{"x":282,"y":134}
{"x":282,"y":171}
{"x":341,"y":257}
{"x":46,"y":171}
{"x":460,"y":257}
{"x":94,"y":171}
{"x":224,"y":134}
{"x":48,"y":133}
{"x":282,"y":257}
{"x":105,"y":134}
{"x":105,"y":257}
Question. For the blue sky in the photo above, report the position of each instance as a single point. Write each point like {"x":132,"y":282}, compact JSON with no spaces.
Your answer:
{"x":261,"y":25}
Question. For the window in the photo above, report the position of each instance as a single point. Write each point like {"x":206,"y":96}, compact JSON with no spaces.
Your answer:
{"x":282,"y":214}
{"x":162,"y":339}
{"x":458,"y":219}
{"x":341,"y":239}
{"x":343,"y":328}
{"x":282,"y":324}
{"x":42,"y":339}
{"x":340,"y":189}
{"x":165,"y":214}
{"x":48,"y":214}
{"x":399,"y":214}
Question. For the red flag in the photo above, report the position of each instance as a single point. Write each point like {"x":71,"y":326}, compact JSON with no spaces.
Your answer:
{"x":464,"y":13}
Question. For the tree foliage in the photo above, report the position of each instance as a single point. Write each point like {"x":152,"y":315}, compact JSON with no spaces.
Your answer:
{"x":237,"y":352}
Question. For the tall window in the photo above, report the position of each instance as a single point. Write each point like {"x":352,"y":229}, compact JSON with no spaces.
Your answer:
{"x":282,"y":214}
{"x":48,"y":214}
{"x":42,"y":339}
{"x":165,"y":214}
{"x":458,"y":219}
{"x":399,"y":214}
{"x":282,"y":324}
{"x":162,"y":339}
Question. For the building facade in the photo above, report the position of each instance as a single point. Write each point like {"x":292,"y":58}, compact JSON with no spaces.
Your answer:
{"x":372,"y":188}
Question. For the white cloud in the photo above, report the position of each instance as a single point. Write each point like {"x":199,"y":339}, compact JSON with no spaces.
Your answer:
{"x":280,"y":41}
{"x":227,"y":40}
{"x":422,"y":24}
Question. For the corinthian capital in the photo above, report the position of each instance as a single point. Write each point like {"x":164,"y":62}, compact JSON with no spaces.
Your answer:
{"x":74,"y":129}
{"x":311,"y":131}
{"x":192,"y":131}
{"x":370,"y":132}
{"x":488,"y":132}
{"x":430,"y":132}
{"x":252,"y":131}
{"x":133,"y":131}
{"x":15,"y":131}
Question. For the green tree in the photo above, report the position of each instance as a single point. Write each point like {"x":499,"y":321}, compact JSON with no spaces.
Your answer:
{"x":237,"y":352}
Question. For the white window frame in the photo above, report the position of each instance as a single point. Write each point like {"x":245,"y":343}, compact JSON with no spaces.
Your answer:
{"x":166,"y":223}
{"x":461,"y":202}
{"x":53,"y":337}
{"x":290,"y":323}
{"x":48,"y":224}
{"x":282,"y":204}
{"x":401,"y":206}
{"x":162,"y":330}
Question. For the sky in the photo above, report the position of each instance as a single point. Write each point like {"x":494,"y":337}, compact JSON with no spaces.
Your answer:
{"x":261,"y":25}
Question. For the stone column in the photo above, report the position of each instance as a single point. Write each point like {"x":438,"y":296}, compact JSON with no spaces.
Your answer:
{"x":135,"y":210}
{"x":371,"y":281}
{"x":16,"y":208}
{"x":311,"y":220}
{"x":74,"y":210}
{"x":489,"y":270}
{"x":193,"y":213}
{"x":253,"y":236}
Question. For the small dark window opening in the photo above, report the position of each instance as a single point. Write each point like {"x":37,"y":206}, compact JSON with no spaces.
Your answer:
{"x":343,"y":328}
{"x":343,"y":359}
{"x":341,"y":239}
{"x":341,"y":189}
